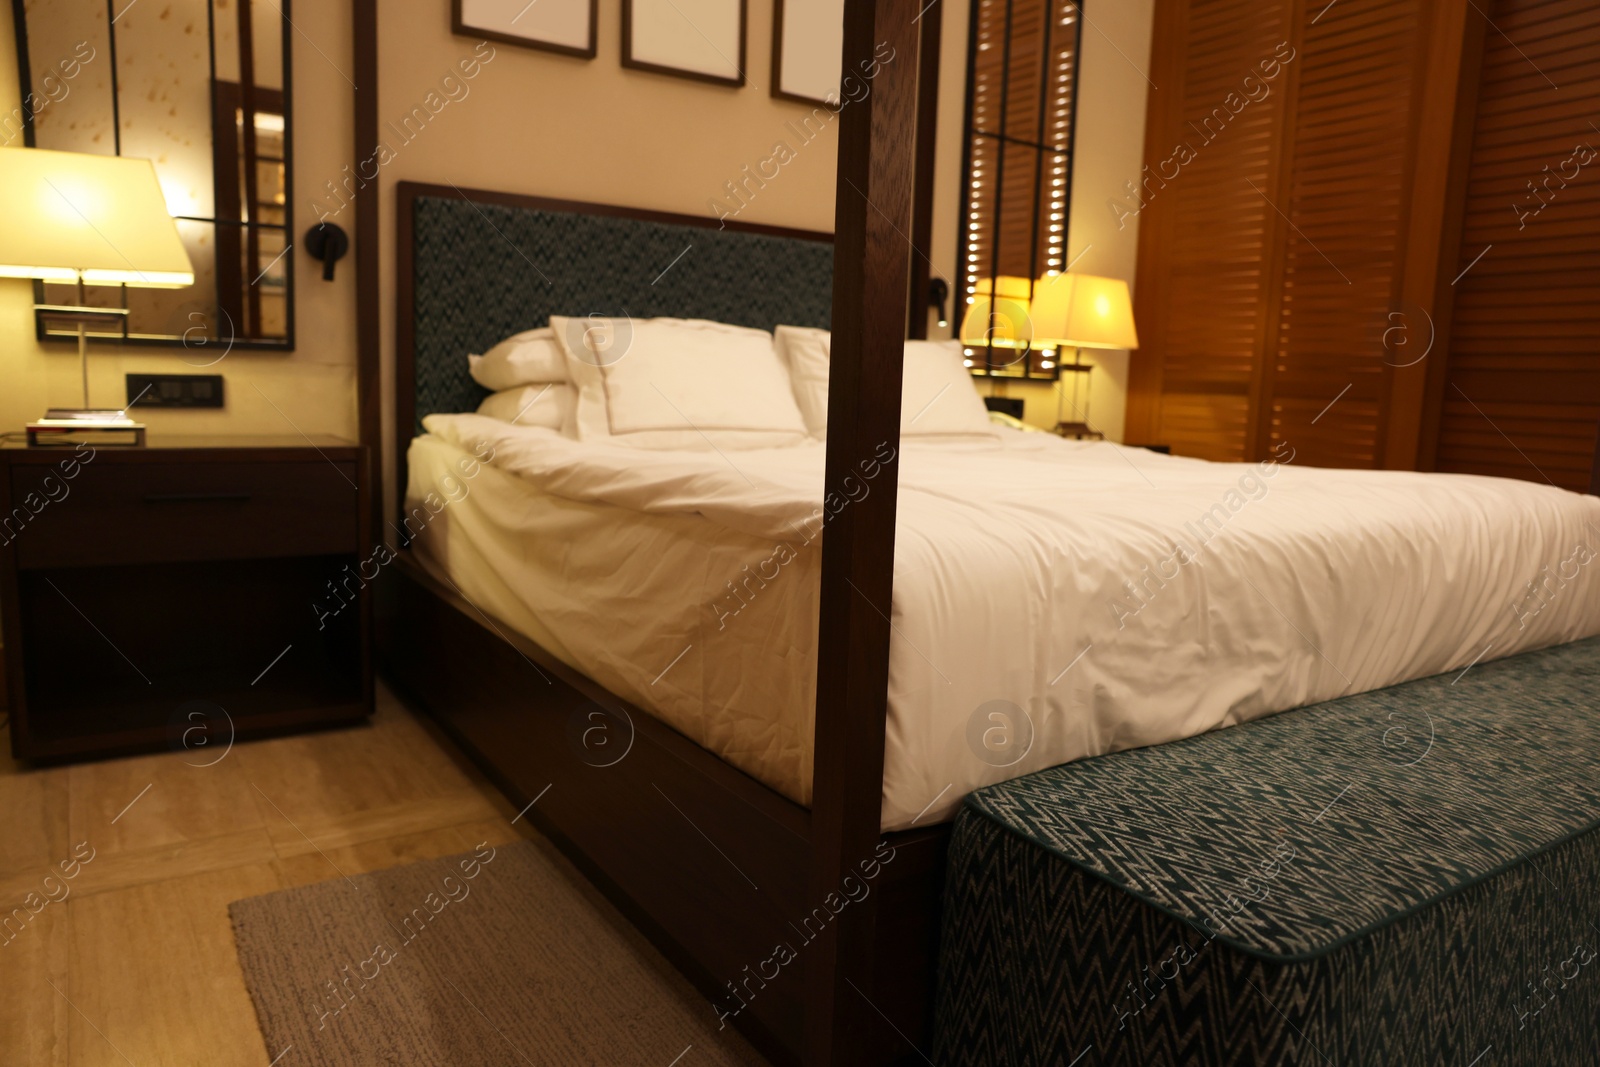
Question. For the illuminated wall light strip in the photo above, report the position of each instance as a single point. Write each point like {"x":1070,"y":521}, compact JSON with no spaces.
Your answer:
{"x":1054,"y":111}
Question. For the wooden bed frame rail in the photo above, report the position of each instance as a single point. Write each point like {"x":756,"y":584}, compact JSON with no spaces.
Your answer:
{"x":709,"y":863}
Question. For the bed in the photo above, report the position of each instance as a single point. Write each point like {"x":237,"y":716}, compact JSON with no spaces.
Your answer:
{"x":1052,"y":600}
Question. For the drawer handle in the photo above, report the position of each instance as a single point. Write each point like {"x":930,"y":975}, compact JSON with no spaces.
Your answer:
{"x":190,"y":498}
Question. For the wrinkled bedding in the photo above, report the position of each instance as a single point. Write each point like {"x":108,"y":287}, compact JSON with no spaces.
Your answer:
{"x":1052,"y":599}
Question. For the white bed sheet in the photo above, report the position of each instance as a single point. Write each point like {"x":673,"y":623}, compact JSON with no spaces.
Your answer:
{"x":1260,"y":588}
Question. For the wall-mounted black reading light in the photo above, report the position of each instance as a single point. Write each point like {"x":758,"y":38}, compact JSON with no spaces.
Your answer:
{"x":939,"y":297}
{"x":329,"y":243}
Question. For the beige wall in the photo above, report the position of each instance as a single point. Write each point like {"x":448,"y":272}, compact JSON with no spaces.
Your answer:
{"x":544,"y":124}
{"x":311,"y":389}
{"x":550,"y":125}
{"x":1110,"y":151}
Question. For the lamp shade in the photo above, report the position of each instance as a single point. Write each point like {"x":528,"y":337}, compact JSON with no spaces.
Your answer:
{"x":103,"y":219}
{"x":999,"y":314}
{"x":1083,"y":311}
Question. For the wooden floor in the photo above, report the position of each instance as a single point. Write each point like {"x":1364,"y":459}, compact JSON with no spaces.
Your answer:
{"x":136,"y":964}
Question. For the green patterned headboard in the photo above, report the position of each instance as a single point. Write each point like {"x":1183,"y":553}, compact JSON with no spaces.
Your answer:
{"x":478,"y":267}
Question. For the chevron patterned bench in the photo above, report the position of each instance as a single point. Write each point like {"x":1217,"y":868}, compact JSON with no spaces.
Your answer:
{"x":1409,"y":876}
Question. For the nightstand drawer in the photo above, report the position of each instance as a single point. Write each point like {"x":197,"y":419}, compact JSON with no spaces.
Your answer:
{"x":151,"y":512}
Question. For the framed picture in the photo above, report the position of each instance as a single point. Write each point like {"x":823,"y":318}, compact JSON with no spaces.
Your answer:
{"x":699,"y":39}
{"x":564,"y":26}
{"x":807,"y":46}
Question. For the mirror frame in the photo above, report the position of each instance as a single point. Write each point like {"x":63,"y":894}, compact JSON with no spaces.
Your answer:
{"x":266,"y":344}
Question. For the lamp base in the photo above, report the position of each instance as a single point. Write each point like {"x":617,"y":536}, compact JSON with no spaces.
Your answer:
{"x":1080,"y":430}
{"x":94,"y":426}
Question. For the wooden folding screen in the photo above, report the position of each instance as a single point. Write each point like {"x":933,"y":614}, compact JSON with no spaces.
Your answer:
{"x":1519,"y":394}
{"x":1338,"y":240}
{"x":1318,"y":175}
{"x":1207,"y":230}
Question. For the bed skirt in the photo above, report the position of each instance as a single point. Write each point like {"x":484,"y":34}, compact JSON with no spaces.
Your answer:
{"x":1407,"y":876}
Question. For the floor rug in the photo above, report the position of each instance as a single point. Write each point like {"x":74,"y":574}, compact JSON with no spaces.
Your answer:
{"x":500,"y":956}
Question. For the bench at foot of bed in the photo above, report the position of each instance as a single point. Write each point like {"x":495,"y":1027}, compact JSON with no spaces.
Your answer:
{"x":1408,"y":876}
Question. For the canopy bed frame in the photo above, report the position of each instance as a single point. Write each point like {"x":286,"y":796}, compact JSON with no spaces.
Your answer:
{"x":715,"y":867}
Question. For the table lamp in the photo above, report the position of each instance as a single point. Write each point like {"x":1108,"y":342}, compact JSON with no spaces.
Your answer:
{"x":999,"y":317}
{"x":1081,"y":311}
{"x":93,"y":220}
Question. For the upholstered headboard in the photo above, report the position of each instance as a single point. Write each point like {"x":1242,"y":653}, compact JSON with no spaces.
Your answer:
{"x":475,"y":267}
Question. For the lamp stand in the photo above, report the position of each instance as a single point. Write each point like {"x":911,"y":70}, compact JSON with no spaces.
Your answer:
{"x":83,"y":344}
{"x":72,"y":425}
{"x":1078,"y":429}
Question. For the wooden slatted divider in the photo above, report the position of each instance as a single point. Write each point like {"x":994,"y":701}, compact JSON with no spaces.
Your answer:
{"x":1451,"y":52}
{"x":1325,"y":384}
{"x":1311,"y":275}
{"x":1521,"y":395}
{"x":1205,"y":234}
{"x":1594,"y":473}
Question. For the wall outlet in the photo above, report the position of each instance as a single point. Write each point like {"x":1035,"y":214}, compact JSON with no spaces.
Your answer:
{"x":175,"y":390}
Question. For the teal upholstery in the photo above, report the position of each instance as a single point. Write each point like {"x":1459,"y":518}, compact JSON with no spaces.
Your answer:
{"x":1406,"y":876}
{"x":486,"y":271}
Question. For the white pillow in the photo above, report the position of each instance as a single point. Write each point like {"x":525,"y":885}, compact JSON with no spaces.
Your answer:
{"x":531,"y":357}
{"x":677,"y":383}
{"x":804,"y":350}
{"x":548,"y":405}
{"x":937,"y":394}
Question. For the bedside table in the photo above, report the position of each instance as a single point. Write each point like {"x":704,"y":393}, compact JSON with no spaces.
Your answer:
{"x":141,"y":587}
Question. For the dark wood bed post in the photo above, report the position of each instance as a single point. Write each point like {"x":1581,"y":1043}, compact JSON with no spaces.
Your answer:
{"x":870,"y":278}
{"x":366,"y":242}
{"x":931,"y":31}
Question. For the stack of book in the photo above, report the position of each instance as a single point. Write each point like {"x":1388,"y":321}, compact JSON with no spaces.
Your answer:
{"x":93,"y":426}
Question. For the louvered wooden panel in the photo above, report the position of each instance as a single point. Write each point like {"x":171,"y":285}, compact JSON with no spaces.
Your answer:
{"x":1205,"y":425}
{"x":1021,"y":115}
{"x":1343,"y":212}
{"x":1215,"y":229}
{"x":1318,"y":439}
{"x":1523,"y":441}
{"x":1522,"y":394}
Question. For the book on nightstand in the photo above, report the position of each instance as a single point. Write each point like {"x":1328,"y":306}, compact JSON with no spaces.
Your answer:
{"x":93,"y":426}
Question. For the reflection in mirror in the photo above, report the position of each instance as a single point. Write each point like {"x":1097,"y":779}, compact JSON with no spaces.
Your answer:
{"x":200,"y":88}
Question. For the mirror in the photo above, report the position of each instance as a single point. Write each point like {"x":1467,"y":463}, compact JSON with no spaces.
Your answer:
{"x":200,"y":88}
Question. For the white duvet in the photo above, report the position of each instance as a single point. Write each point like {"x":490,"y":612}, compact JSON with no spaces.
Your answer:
{"x":1052,"y":599}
